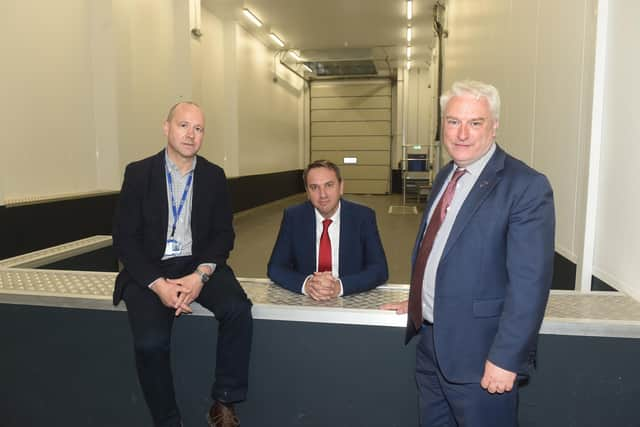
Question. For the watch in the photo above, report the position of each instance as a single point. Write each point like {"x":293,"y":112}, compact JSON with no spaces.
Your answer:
{"x":203,"y":276}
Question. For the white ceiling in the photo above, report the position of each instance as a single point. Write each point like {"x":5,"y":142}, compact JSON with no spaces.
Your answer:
{"x":340,"y":29}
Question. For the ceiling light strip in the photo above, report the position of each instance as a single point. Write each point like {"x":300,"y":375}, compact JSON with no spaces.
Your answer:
{"x":251,"y":17}
{"x":277,"y":40}
{"x":294,"y":55}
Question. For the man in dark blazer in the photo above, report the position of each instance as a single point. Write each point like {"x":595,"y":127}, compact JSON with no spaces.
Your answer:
{"x":480,"y":286}
{"x":173,"y":233}
{"x":356,"y":262}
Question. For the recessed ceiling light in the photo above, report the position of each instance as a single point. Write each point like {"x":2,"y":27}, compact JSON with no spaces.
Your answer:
{"x":409,"y":34}
{"x":409,"y":10}
{"x":408,"y":51}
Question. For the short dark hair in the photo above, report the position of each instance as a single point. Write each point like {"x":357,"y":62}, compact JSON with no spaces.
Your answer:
{"x":321,"y":164}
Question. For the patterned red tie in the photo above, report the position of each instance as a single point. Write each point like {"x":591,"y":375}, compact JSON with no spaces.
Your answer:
{"x":417,"y":277}
{"x":324,"y":254}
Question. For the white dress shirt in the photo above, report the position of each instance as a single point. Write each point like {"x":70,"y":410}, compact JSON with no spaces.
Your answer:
{"x":334,"y":237}
{"x":463,"y":187}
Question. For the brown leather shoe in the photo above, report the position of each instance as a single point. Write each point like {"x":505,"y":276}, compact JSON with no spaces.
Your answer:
{"x":222,"y":416}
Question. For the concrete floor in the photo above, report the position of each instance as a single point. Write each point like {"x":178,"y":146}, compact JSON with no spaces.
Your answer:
{"x":256,"y":231}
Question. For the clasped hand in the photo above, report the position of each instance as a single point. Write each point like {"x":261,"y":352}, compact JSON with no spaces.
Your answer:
{"x":322,"y":286}
{"x":179,"y":293}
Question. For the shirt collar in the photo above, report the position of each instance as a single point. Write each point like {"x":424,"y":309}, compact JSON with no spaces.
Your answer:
{"x":476,"y":167}
{"x":335,"y":218}
{"x":174,"y":169}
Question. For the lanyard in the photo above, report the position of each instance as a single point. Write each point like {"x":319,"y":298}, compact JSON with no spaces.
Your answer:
{"x":178,"y":210}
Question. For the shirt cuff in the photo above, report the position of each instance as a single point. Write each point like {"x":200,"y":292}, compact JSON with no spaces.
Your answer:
{"x":153,"y":283}
{"x":341,"y":288}
{"x":304,"y":283}
{"x":211,"y":265}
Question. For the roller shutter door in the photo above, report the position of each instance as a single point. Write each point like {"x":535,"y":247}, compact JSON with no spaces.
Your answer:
{"x":351,"y":126}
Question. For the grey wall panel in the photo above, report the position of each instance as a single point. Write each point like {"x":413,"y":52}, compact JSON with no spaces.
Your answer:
{"x":369,"y":186}
{"x":351,"y":102}
{"x":367,"y":158}
{"x":350,"y":142}
{"x":340,"y":90}
{"x":88,"y":370}
{"x":349,"y":115}
{"x":350,"y":128}
{"x":365,"y":172}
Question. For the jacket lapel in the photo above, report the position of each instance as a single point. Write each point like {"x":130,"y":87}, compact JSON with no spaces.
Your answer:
{"x":345,"y":240}
{"x":309,"y":237}
{"x":159,"y":200}
{"x":197,"y":198}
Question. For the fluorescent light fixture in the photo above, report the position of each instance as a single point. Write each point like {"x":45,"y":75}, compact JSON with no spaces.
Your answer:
{"x":350,"y":160}
{"x":251,"y":17}
{"x":408,"y":52}
{"x":409,"y":34}
{"x":294,"y":55}
{"x":277,"y":40}
{"x":306,"y":67}
{"x":409,"y":10}
{"x":408,"y":65}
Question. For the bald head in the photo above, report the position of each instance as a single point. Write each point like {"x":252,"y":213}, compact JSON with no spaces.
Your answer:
{"x":172,"y":110}
{"x":184,"y":129}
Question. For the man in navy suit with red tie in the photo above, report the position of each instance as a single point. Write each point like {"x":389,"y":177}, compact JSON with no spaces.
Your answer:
{"x":327,"y":247}
{"x":482,"y":269}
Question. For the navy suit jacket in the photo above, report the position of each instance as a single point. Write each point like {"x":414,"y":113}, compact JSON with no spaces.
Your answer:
{"x":493,"y":279}
{"x":362,"y":263}
{"x":142,"y":218}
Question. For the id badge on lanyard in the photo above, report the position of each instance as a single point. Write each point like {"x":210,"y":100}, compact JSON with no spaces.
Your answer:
{"x":174,"y":247}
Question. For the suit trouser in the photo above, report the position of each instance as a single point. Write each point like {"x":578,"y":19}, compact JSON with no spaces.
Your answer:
{"x":151,"y":324}
{"x":443,"y":403}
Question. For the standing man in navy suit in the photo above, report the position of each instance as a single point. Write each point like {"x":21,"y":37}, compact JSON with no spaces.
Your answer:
{"x":482,"y":269}
{"x":173,"y":233}
{"x":327,"y":247}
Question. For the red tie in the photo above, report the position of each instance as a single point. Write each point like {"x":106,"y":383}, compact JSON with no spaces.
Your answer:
{"x":415,"y":292}
{"x":324,"y":254}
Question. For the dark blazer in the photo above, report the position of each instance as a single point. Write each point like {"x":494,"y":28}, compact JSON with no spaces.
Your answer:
{"x":362,"y":262}
{"x":495,"y":272}
{"x":142,"y":217}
